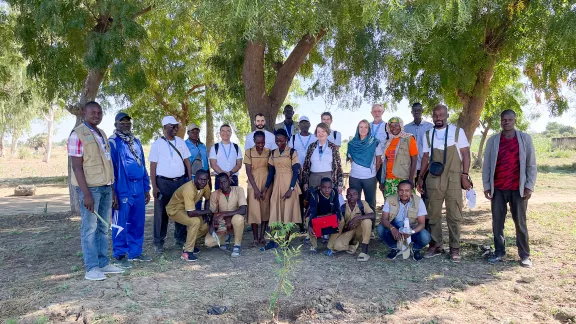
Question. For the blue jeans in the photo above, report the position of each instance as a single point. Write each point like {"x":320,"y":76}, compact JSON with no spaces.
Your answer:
{"x":93,"y":233}
{"x":420,"y":239}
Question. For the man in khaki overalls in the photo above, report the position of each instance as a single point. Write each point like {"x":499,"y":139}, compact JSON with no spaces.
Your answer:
{"x":445,"y":144}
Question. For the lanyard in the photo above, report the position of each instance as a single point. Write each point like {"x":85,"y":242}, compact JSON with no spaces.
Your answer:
{"x":322,"y":149}
{"x":288,"y":131}
{"x":103,"y":146}
{"x":377,"y":128}
{"x":307,"y":143}
{"x":170,"y":147}
{"x":229,"y":150}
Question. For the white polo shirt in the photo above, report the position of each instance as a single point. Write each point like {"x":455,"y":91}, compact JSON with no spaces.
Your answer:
{"x":337,"y":140}
{"x":438,"y":138}
{"x":321,"y":163}
{"x":226,"y":157}
{"x":359,"y":172}
{"x":270,"y":141}
{"x":170,"y":164}
{"x":402,"y":210}
{"x":301,"y":144}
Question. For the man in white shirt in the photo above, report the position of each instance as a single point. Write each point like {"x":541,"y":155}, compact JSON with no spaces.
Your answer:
{"x":226,"y":157}
{"x":260,"y":123}
{"x":448,"y":174}
{"x":301,"y":141}
{"x":169,"y":169}
{"x":404,"y":211}
{"x":335,"y":136}
{"x":418,"y":128}
{"x":378,"y":127}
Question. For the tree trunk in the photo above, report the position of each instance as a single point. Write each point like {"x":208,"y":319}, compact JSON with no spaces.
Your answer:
{"x":182,"y":117}
{"x":14,"y":145}
{"x":50,"y":129}
{"x":89,"y":92}
{"x":209,"y":123}
{"x":480,"y":159}
{"x":2,"y":134}
{"x":257,"y":99}
{"x":473,"y":103}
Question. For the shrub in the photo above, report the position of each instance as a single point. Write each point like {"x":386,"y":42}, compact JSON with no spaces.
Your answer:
{"x":24,"y":153}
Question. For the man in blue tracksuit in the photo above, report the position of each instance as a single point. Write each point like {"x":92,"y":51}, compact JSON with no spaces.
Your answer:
{"x":132,"y":187}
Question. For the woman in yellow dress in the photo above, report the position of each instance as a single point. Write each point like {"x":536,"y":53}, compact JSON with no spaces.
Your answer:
{"x":284,"y":167}
{"x":256,"y":162}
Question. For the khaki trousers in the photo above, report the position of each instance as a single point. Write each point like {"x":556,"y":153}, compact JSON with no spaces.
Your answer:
{"x":453,"y":199}
{"x":238,"y":227}
{"x":193,"y":224}
{"x":360,"y":234}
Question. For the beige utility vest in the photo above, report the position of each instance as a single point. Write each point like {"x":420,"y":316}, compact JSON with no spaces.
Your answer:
{"x":97,"y":168}
{"x":451,"y":177}
{"x":402,"y":160}
{"x":394,"y":203}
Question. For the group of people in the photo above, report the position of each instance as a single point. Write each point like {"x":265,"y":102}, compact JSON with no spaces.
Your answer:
{"x":294,"y":176}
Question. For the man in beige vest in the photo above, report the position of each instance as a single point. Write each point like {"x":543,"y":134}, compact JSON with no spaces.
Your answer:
{"x":447,"y":158}
{"x":92,"y":177}
{"x":404,"y":211}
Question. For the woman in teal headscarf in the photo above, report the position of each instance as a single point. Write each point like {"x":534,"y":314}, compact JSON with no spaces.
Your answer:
{"x":365,"y":152}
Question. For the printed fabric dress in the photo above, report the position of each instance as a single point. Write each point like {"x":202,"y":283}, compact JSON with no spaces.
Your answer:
{"x":258,"y":211}
{"x":284,"y":210}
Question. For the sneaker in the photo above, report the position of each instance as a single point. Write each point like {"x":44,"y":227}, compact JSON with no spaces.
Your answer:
{"x":111,"y":269}
{"x":495,"y":259}
{"x":224,"y":247}
{"x":141,"y":258}
{"x":313,"y":250}
{"x":235,"y":251}
{"x":270,"y":245}
{"x":329,"y":252}
{"x":455,"y":255}
{"x":433,"y":250}
{"x":393,"y":254}
{"x":158,"y":249}
{"x":417,"y":255}
{"x":196,"y":250}
{"x":188,"y":257}
{"x":95,"y":275}
{"x":352,"y":248}
{"x":363,"y":257}
{"x":526,"y":262}
{"x":123,"y":263}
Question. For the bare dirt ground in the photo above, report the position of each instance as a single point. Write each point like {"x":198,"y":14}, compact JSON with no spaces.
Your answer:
{"x":41,"y":273}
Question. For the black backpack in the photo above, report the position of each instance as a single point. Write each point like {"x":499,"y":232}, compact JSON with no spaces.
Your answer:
{"x":217,"y":145}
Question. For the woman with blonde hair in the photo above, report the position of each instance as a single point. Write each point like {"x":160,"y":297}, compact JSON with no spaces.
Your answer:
{"x":399,"y":158}
{"x":322,"y":161}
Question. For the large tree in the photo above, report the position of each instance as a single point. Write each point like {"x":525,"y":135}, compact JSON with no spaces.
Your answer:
{"x":463,"y":41}
{"x":269,"y":42}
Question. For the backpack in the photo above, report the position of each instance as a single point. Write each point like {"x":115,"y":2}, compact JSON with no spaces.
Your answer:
{"x":291,"y":153}
{"x":334,"y":132}
{"x":360,"y":205}
{"x":217,"y":145}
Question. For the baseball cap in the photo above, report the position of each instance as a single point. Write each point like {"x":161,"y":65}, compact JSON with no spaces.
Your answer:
{"x":169,"y":120}
{"x":121,"y":115}
{"x":303,"y":118}
{"x":191,"y":127}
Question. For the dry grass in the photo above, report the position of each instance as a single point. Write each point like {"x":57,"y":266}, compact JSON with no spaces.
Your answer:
{"x":41,"y":274}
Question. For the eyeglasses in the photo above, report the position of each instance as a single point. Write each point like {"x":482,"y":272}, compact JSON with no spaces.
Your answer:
{"x":125,"y":124}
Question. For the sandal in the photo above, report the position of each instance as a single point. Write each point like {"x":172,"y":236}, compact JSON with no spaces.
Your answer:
{"x":363,"y":257}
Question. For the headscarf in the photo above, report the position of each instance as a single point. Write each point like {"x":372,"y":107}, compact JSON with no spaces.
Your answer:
{"x":128,"y":138}
{"x":362,"y":151}
{"x":402,"y":133}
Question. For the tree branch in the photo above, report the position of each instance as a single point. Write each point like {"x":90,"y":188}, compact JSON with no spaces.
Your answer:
{"x":142,"y":12}
{"x":191,"y":91}
{"x":464,"y":97}
{"x":288,"y":70}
